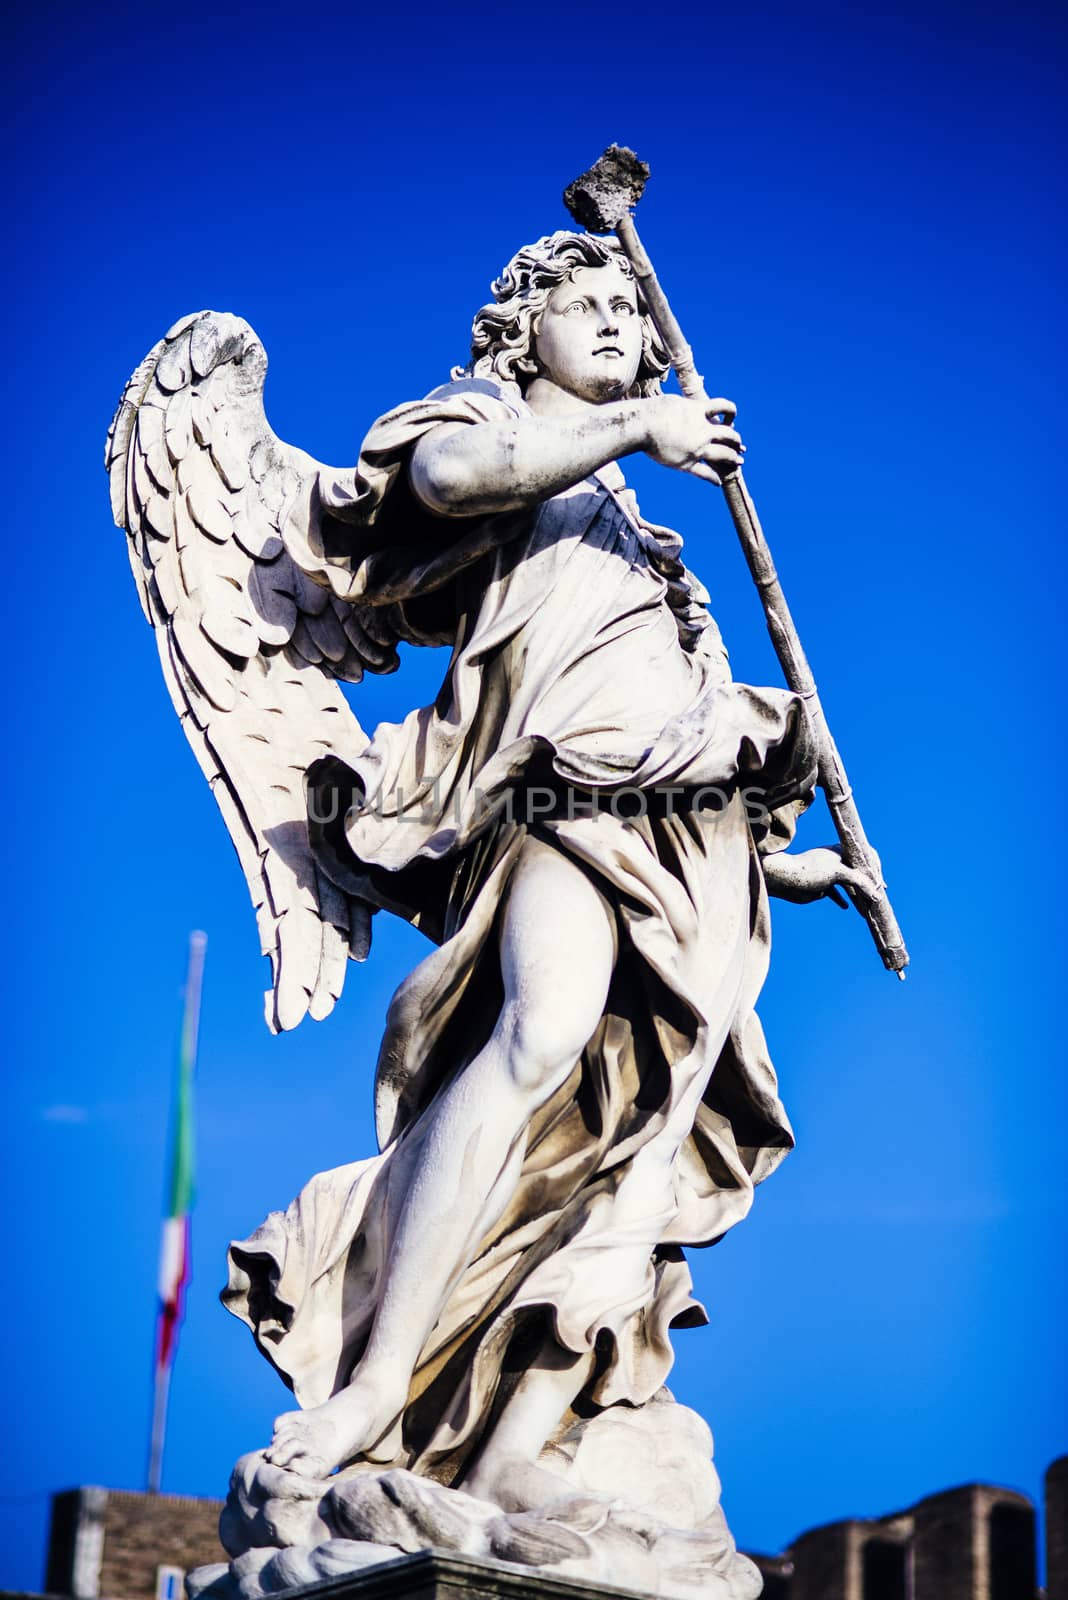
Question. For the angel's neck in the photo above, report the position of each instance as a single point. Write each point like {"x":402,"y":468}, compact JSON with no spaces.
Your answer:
{"x":547,"y":399}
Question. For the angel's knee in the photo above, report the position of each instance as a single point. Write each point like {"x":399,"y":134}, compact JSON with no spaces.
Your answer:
{"x":542,"y":1044}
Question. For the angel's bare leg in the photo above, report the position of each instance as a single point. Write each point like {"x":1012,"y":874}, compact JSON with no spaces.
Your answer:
{"x":557,"y":954}
{"x":505,"y":1471}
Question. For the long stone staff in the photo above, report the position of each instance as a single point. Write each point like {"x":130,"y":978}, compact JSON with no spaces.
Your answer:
{"x":601,"y":200}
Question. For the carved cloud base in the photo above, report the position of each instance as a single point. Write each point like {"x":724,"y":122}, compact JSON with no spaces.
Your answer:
{"x":639,"y":1511}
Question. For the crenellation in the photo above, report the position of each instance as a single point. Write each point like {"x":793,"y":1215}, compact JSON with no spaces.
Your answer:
{"x":974,"y":1542}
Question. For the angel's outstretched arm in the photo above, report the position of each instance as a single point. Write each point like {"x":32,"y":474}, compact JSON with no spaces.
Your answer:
{"x":462,"y":471}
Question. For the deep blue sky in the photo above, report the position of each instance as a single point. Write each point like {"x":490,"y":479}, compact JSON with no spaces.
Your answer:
{"x":856,"y":212}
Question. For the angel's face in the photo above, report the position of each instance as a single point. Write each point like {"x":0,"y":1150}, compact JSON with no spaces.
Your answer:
{"x":588,"y":339}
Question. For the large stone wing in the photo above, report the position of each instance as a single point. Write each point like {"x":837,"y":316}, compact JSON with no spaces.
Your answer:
{"x":251,"y":649}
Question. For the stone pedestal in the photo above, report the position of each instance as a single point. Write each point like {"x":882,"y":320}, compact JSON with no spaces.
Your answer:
{"x":433,"y":1575}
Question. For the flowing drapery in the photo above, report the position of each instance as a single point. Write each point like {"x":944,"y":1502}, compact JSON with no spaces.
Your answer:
{"x":587,"y":702}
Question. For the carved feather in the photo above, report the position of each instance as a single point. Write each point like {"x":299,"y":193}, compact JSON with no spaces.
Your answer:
{"x":251,"y":648}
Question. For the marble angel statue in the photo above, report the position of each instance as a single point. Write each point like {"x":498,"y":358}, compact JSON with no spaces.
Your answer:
{"x":573,"y":1086}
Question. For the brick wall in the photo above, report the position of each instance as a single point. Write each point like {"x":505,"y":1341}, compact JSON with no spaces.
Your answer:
{"x":972,"y":1543}
{"x":110,"y":1542}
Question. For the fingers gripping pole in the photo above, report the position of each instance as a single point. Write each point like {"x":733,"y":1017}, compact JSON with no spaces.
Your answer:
{"x":601,"y":200}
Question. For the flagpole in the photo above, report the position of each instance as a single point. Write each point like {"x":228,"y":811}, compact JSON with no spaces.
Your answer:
{"x":160,"y":1393}
{"x":174,"y":1244}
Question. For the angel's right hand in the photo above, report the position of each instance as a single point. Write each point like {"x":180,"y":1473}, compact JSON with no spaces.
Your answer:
{"x":693,"y":436}
{"x":814,"y":874}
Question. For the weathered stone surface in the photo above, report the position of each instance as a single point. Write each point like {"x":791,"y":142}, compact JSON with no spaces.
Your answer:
{"x":476,"y":1322}
{"x":635,"y":1491}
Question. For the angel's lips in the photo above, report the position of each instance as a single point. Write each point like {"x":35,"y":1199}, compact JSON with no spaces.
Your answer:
{"x":609,"y":350}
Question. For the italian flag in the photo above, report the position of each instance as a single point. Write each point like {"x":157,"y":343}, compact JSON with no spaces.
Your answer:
{"x":174,"y":1260}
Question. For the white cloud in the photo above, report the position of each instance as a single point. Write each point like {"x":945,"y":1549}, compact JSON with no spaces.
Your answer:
{"x":62,"y":1113}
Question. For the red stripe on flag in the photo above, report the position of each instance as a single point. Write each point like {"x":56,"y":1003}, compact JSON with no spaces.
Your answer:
{"x":172,"y":1307}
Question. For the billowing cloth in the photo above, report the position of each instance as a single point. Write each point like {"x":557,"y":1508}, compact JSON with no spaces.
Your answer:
{"x":587,"y":702}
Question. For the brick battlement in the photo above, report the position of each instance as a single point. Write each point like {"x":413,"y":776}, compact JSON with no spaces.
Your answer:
{"x":972,"y":1543}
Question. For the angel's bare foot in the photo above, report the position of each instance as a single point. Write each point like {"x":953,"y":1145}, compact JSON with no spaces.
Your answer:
{"x":515,"y":1484}
{"x":315,"y":1441}
{"x":520,"y":1486}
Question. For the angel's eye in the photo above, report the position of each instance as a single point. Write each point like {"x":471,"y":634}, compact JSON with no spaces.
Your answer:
{"x":625,"y":306}
{"x":576,"y":305}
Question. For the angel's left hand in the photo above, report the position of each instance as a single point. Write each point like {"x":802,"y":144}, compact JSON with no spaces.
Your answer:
{"x":815,"y":875}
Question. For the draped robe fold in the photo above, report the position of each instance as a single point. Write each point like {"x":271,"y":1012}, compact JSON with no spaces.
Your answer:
{"x":585,"y":673}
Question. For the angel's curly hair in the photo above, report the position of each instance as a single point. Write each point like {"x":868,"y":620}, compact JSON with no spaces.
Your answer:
{"x":502,"y":334}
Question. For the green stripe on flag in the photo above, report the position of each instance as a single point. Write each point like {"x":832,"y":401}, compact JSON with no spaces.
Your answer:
{"x":183,"y":1175}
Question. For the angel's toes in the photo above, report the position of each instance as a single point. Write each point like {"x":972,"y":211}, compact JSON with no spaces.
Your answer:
{"x":301,"y":1455}
{"x":287,"y":1442}
{"x":281,"y":1451}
